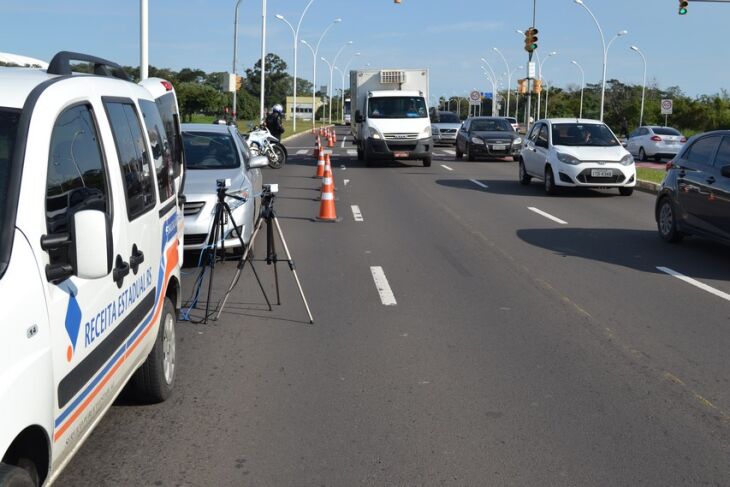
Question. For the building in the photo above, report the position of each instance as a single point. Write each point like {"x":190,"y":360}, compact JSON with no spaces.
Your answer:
{"x":304,"y":107}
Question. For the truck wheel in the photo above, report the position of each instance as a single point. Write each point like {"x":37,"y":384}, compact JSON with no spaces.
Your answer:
{"x":12,"y":476}
{"x":154,"y":380}
{"x":427,"y":162}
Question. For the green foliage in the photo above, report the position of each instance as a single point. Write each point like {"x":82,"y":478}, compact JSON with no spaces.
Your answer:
{"x":198,"y":98}
{"x":278,"y":82}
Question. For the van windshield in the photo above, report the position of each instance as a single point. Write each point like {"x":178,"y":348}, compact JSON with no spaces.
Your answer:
{"x":8,"y":131}
{"x":397,"y":107}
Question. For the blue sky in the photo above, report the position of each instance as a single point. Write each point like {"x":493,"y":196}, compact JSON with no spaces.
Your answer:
{"x":448,"y":37}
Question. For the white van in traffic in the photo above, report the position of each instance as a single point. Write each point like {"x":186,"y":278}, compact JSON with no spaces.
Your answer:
{"x":89,"y":256}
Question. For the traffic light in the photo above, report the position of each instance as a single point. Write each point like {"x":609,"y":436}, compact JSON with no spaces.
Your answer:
{"x":537,"y":86}
{"x":531,"y":39}
{"x":522,"y":86}
{"x":683,"y":4}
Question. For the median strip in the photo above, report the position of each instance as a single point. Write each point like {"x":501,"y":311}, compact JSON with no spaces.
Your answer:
{"x":695,"y":283}
{"x":547,"y":215}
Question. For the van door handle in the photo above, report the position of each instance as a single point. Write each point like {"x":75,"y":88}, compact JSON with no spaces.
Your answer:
{"x":121,"y":270}
{"x":711,"y":180}
{"x":136,"y":258}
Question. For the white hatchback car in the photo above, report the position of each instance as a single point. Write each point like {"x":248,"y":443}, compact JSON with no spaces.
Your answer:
{"x":576,"y":153}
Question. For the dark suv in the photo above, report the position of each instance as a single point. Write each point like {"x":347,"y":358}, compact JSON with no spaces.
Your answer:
{"x":695,"y":195}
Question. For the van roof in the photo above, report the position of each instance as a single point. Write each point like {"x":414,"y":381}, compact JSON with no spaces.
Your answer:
{"x":17,"y":83}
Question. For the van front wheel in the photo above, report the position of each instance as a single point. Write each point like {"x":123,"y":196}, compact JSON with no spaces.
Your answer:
{"x":154,"y":380}
{"x":12,"y":476}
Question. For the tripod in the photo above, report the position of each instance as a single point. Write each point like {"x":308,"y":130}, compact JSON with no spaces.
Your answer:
{"x":216,"y":244}
{"x":268,"y":216}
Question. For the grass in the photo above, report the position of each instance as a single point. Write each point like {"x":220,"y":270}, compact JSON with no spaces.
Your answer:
{"x":650,"y":174}
{"x":244,"y":125}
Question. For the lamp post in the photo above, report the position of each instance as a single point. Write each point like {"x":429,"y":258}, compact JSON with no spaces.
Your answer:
{"x":493,"y":81}
{"x":143,"y":39}
{"x":605,"y":51}
{"x":494,"y":84}
{"x":643,"y":85}
{"x":517,"y":95}
{"x":332,"y":74}
{"x":539,"y":75}
{"x":582,"y":85}
{"x":344,"y":74}
{"x":295,"y":32}
{"x":262,"y":100}
{"x":509,"y":77}
{"x":315,"y":51}
{"x":235,"y":57}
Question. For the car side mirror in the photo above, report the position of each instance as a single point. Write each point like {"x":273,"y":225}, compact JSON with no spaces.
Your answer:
{"x":92,"y":244}
{"x":358,"y":116}
{"x":258,"y":162}
{"x":725,"y":171}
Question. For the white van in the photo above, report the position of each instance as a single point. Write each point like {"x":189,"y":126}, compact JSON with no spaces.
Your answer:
{"x":89,"y":257}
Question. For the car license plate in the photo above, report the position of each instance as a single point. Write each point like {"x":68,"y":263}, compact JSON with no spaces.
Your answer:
{"x":400,"y":154}
{"x":499,"y":147}
{"x":601,"y":173}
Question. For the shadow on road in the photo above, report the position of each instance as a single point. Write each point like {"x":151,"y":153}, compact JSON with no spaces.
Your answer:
{"x":641,"y":250}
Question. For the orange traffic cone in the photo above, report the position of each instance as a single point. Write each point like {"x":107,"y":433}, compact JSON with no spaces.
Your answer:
{"x":328,"y":169}
{"x":334,"y":135}
{"x":330,"y":141}
{"x":327,"y":212}
{"x":317,"y":148}
{"x":320,"y":165}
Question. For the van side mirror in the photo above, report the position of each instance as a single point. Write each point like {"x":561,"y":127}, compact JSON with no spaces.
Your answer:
{"x":258,"y":162}
{"x":92,"y":247}
{"x":358,"y":117}
{"x":725,"y":171}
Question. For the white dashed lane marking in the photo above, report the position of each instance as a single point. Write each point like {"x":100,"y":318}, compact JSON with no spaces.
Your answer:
{"x":301,"y":152}
{"x":356,"y":213}
{"x":446,"y":167}
{"x":480,"y":184}
{"x":695,"y":283}
{"x":343,"y":141}
{"x":381,"y":284}
{"x":547,"y":215}
{"x":351,"y":152}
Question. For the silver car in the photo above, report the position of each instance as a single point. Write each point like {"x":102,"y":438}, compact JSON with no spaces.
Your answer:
{"x":212,"y":153}
{"x":444,"y":126}
{"x":655,"y":142}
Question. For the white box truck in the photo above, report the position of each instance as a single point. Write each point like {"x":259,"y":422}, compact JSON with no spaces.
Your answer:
{"x":391,"y":114}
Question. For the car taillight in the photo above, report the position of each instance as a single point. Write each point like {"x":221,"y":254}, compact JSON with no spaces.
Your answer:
{"x":670,"y":165}
{"x":167,"y":85}
{"x":683,"y":140}
{"x":656,"y":138}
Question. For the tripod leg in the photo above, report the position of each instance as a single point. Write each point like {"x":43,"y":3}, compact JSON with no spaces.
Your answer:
{"x":213,"y":255}
{"x":293,"y":269}
{"x":271,"y":256}
{"x":261,"y":286}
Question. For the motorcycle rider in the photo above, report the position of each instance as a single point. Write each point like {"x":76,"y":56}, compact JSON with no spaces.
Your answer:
{"x":274,"y":121}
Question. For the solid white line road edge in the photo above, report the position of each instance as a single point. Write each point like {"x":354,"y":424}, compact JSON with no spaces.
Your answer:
{"x":547,"y":215}
{"x":381,"y":283}
{"x":695,"y":283}
{"x":356,"y":213}
{"x":480,"y":184}
{"x":446,"y":167}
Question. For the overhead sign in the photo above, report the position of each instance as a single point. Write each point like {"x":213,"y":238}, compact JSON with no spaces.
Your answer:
{"x":667,"y":107}
{"x":475,"y":98}
{"x":487,"y":95}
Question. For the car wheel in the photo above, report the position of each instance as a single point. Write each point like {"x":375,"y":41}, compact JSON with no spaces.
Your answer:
{"x":524,"y":177}
{"x":626,"y":191}
{"x":459,"y":154}
{"x":12,"y":476}
{"x":657,"y":158}
{"x":154,"y":380}
{"x":667,"y":222}
{"x":470,"y":154}
{"x":642,"y":154}
{"x":550,"y":187}
{"x":427,"y":162}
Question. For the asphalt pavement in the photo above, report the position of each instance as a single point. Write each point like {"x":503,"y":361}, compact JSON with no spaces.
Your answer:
{"x":468,"y":331}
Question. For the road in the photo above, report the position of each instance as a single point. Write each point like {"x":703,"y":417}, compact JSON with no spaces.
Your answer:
{"x":514,"y":339}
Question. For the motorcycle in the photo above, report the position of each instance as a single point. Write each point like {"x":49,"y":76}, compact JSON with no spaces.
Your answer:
{"x":261,"y":142}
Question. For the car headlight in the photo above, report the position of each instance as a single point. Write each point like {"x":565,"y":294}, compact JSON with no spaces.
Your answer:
{"x":627,"y":160}
{"x":426,"y":132}
{"x":517,"y":141}
{"x":434,"y":130}
{"x":375,"y":134}
{"x":568,"y":159}
{"x":234,"y":203}
{"x":477,"y":140}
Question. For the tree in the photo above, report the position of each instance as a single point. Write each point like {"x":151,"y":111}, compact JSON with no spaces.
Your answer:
{"x":187,"y":75}
{"x":278,"y":82}
{"x":196,"y":98}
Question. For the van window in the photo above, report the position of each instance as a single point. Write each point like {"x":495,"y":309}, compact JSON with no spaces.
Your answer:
{"x":76,"y":171}
{"x":133,"y":157}
{"x":160,"y":149}
{"x":171,"y":120}
{"x":8,"y":129}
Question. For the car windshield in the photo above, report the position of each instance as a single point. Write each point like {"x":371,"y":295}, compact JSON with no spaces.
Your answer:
{"x":665,"y":131}
{"x":205,"y":150}
{"x":491,"y":125}
{"x":8,"y":132}
{"x":397,"y":107}
{"x":583,"y":134}
{"x":511,"y":120}
{"x":448,"y":118}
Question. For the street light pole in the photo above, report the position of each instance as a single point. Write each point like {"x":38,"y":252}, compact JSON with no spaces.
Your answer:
{"x":494,"y":87}
{"x":509,"y":77}
{"x":329,"y":88}
{"x":582,"y":85}
{"x":332,"y":71}
{"x":144,"y":40}
{"x":262,"y":108}
{"x":539,"y":75}
{"x":605,"y":51}
{"x":643,"y":85}
{"x":315,"y":51}
{"x":235,"y":58}
{"x":344,"y":73}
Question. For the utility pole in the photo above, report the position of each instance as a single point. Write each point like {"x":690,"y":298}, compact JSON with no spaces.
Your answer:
{"x":144,"y":40}
{"x":529,"y":80}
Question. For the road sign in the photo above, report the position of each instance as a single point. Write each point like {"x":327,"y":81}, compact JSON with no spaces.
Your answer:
{"x":531,"y":70}
{"x":475,"y":98}
{"x":667,"y":107}
{"x":487,"y":95}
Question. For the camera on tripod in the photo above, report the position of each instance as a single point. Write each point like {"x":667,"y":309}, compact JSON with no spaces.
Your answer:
{"x":223,"y":183}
